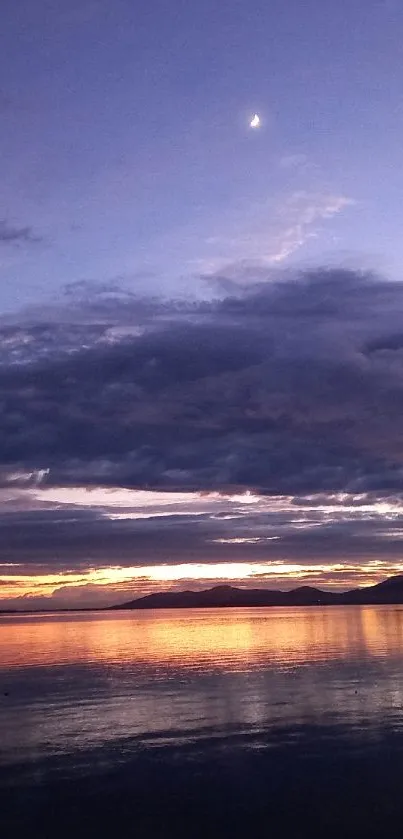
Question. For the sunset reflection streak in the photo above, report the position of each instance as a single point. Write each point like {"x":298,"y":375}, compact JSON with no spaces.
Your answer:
{"x":236,"y":638}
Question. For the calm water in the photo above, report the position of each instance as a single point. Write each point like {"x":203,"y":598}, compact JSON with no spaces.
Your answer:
{"x":73,"y":681}
{"x":90,"y":693}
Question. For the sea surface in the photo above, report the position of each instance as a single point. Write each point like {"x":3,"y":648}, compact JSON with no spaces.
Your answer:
{"x":196,"y":722}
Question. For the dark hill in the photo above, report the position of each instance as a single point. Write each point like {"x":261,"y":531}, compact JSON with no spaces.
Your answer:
{"x":389,"y":591}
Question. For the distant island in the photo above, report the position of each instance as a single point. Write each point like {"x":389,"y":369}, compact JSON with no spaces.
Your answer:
{"x":390,"y":591}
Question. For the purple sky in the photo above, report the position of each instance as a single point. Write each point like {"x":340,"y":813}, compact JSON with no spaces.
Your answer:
{"x":126,"y":151}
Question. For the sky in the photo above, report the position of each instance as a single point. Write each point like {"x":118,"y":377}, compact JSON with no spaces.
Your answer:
{"x":200,"y":321}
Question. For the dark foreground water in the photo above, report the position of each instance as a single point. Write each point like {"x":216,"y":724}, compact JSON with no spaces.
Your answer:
{"x":267,"y":722}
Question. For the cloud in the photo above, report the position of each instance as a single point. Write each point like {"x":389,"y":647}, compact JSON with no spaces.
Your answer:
{"x":262,"y":427}
{"x":295,"y":161}
{"x":270,"y":231}
{"x":11,"y":235}
{"x":100,"y":555}
{"x":288,"y":387}
{"x":302,"y":214}
{"x":5,"y":101}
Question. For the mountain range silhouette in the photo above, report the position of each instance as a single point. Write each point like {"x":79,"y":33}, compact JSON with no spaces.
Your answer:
{"x":389,"y":591}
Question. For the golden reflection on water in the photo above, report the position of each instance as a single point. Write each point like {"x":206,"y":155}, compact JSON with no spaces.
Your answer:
{"x":231,"y":638}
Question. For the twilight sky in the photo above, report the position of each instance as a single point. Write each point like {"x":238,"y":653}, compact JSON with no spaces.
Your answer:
{"x":126,"y":150}
{"x":201,"y":369}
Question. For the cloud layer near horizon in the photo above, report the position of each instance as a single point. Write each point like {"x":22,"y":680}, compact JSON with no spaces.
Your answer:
{"x":283,"y":388}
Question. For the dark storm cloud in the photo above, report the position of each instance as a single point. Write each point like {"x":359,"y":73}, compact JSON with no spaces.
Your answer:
{"x":10,"y":235}
{"x":286,"y":387}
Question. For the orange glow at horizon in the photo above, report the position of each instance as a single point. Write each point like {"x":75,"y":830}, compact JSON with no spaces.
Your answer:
{"x":136,"y":580}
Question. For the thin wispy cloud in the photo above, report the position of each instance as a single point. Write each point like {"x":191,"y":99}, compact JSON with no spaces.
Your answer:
{"x":295,"y":161}
{"x":272,"y":232}
{"x":302,"y":216}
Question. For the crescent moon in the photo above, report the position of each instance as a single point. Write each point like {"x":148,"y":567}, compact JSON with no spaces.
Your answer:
{"x":255,"y":121}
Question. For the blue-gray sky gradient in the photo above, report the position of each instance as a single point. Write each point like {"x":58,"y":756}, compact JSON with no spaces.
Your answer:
{"x":126,"y":150}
